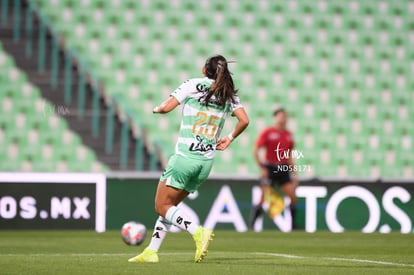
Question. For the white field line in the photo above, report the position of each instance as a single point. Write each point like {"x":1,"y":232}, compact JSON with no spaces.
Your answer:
{"x":86,"y":254}
{"x":335,"y":259}
{"x":64,"y":254}
{"x":368,"y":261}
{"x":280,"y":255}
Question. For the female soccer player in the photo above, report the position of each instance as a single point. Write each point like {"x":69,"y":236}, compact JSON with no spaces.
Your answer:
{"x":206,"y":101}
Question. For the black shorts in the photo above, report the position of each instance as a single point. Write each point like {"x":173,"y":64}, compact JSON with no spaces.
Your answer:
{"x":278,"y":174}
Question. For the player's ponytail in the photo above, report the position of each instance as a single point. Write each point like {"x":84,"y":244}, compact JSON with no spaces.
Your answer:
{"x":223,"y":86}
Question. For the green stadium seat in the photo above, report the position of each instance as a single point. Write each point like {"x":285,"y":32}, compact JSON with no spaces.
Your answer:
{"x":30,"y":132}
{"x":297,"y":54}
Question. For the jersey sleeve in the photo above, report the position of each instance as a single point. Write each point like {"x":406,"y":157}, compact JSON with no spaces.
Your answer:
{"x":235,"y":105}
{"x":291,"y":141}
{"x":183,"y":91}
{"x":261,"y":140}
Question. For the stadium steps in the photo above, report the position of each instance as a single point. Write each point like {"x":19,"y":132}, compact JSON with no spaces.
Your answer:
{"x":56,"y":97}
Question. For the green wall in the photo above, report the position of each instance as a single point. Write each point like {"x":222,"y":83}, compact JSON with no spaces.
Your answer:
{"x":339,"y":206}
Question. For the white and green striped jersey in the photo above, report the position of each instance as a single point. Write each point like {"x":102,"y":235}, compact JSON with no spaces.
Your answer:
{"x":201,"y":125}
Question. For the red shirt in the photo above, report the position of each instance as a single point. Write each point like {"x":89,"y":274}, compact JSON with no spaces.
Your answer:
{"x":278,"y":145}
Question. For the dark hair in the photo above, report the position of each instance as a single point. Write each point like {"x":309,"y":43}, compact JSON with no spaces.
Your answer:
{"x":279,"y":110}
{"x":223,"y":86}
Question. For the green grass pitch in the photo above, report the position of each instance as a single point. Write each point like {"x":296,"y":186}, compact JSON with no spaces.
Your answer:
{"x":270,"y":252}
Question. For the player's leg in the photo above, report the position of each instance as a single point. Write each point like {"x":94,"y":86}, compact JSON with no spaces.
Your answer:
{"x":257,"y":210}
{"x":185,"y":178}
{"x":289,"y":188}
{"x":179,"y":177}
{"x":149,"y":255}
{"x":175,"y":185}
{"x":164,"y":199}
{"x":265,"y":185}
{"x":202,"y":236}
{"x":162,"y":227}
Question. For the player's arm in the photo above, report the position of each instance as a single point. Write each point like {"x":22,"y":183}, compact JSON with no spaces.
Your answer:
{"x":167,"y":106}
{"x":290,"y":159}
{"x":257,"y":146}
{"x":256,"y":150}
{"x":294,"y":174}
{"x":175,"y":99}
{"x":291,"y":163}
{"x":242,"y":123}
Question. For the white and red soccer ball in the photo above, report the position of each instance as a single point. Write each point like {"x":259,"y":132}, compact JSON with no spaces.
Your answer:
{"x":133,"y":233}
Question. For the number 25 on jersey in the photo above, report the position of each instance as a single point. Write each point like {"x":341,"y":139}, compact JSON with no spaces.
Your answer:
{"x":206,"y":125}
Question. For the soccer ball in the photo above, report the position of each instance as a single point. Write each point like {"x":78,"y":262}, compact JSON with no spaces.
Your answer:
{"x":133,"y":233}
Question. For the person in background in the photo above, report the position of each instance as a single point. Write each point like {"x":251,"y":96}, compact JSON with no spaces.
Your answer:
{"x":277,"y":166}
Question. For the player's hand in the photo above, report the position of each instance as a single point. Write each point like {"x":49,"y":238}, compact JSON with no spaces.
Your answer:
{"x":223,"y":143}
{"x":295,"y":180}
{"x":264,"y":172}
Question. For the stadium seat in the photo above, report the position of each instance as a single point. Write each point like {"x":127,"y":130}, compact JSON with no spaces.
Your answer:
{"x":32,"y":136}
{"x":325,"y":63}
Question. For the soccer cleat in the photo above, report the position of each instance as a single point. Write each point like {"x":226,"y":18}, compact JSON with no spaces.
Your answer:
{"x":147,"y":256}
{"x":202,"y":238}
